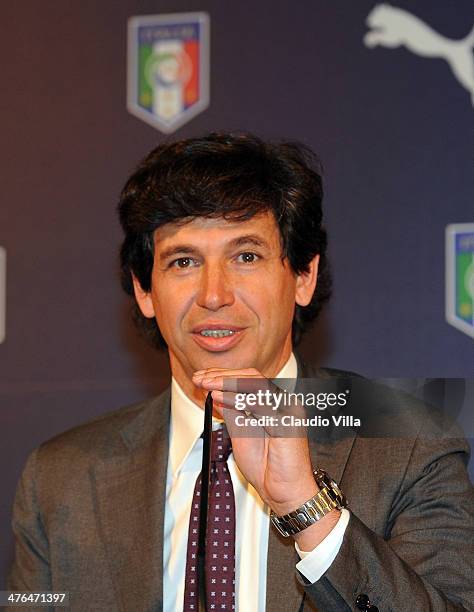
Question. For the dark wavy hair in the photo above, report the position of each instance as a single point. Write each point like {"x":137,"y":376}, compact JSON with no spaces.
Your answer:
{"x":233,"y":176}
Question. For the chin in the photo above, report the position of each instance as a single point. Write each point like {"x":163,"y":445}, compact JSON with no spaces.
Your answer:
{"x":231,"y":360}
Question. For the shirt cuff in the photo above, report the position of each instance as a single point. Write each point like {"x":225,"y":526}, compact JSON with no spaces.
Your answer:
{"x":316,"y":562}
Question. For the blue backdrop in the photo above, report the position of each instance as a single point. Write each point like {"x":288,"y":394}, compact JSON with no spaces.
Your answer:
{"x":394,"y":130}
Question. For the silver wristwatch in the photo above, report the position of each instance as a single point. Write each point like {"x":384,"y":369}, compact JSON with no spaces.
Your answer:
{"x":329,"y":497}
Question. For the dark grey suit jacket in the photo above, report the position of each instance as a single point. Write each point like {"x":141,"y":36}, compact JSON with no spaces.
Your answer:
{"x":88,"y":519}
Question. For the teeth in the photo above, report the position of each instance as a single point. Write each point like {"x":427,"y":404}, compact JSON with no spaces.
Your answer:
{"x":217,"y":333}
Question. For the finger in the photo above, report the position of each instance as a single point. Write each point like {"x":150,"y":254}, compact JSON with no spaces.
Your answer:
{"x":228,"y":370}
{"x":236,"y":382}
{"x":289,"y":422}
{"x":223,"y":399}
{"x":226,"y":383}
{"x":209,"y":373}
{"x":264,"y":402}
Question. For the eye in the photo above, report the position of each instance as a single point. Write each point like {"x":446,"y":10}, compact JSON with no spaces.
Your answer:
{"x":248,"y":257}
{"x":181,"y":263}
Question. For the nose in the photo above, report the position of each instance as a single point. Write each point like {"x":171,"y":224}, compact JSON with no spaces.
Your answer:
{"x":215,"y":287}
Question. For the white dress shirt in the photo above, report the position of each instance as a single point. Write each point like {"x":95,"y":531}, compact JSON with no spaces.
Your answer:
{"x":252,"y":514}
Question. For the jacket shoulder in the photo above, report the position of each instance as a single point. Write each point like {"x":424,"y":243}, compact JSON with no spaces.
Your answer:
{"x":101,"y":436}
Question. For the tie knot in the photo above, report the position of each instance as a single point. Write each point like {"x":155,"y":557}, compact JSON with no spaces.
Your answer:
{"x":221,"y":445}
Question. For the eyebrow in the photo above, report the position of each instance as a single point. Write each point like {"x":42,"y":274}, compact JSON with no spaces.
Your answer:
{"x":179,"y":249}
{"x":249,"y":239}
{"x":188,"y":249}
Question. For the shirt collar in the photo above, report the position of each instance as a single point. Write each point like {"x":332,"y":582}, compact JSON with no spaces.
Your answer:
{"x":187,"y":418}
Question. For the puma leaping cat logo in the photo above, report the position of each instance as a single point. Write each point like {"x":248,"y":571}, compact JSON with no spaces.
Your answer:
{"x":393,"y":27}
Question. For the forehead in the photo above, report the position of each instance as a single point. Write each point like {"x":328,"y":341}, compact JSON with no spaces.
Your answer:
{"x":218,"y":231}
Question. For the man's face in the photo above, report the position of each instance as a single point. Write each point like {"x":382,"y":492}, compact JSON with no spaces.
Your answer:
{"x":222,"y":296}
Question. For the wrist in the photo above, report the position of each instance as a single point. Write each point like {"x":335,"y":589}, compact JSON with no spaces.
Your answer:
{"x":299,"y":497}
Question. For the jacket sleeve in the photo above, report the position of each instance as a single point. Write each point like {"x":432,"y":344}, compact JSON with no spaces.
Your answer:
{"x":30,"y":570}
{"x":425,"y":559}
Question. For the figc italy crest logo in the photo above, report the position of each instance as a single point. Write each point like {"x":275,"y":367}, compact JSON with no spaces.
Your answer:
{"x":168,"y":68}
{"x":460,"y":276}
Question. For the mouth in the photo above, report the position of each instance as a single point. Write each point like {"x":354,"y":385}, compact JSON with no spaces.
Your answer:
{"x":217,"y":337}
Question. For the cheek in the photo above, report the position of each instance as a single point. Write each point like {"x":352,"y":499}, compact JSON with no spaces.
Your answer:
{"x":172,"y":302}
{"x":285,"y":301}
{"x":273,"y":302}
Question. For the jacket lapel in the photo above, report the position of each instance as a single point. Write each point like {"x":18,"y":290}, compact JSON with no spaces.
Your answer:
{"x":130,"y":497}
{"x":329,"y":449}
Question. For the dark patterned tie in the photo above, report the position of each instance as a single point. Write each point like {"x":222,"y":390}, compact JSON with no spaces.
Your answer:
{"x":220,"y":541}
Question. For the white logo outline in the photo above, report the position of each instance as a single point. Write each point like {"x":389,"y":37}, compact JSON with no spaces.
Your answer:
{"x":168,"y":127}
{"x":393,"y":27}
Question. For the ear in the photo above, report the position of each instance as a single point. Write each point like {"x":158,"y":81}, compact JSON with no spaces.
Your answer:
{"x":143,"y":298}
{"x":306,"y":283}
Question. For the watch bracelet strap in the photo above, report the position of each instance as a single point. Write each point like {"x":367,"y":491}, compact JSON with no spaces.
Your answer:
{"x":328,"y":498}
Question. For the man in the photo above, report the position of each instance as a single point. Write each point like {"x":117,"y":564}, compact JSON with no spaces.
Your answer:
{"x":225,"y":255}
